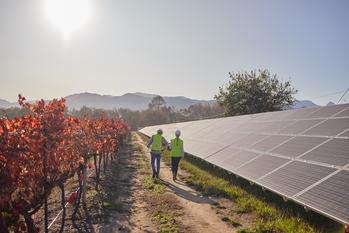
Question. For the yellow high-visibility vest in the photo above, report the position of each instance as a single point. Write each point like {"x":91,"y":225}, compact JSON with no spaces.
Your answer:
{"x":176,"y":147}
{"x":157,"y":143}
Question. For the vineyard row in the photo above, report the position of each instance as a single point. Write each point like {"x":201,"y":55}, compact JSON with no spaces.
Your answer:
{"x":41,"y":151}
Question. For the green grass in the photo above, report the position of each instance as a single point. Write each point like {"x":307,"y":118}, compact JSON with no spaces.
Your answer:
{"x":231,"y":222}
{"x":271,"y":219}
{"x":166,"y":221}
{"x":154,"y":185}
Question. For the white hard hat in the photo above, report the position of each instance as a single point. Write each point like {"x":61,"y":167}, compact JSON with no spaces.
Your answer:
{"x":178,"y":133}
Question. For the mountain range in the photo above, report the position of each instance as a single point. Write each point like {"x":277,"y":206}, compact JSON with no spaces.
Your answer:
{"x":134,"y":101}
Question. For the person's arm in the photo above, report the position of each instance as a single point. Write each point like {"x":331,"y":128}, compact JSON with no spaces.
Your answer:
{"x":164,"y":142}
{"x":182,"y":149}
{"x":150,"y":142}
{"x":169,"y":147}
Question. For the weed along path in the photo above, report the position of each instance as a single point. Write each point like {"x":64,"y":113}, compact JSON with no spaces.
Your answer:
{"x":191,"y":212}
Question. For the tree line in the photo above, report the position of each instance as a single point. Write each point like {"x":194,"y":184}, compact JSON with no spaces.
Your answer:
{"x":156,"y":113}
{"x":244,"y":93}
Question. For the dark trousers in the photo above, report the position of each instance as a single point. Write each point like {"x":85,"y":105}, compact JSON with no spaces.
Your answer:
{"x":155,"y":162}
{"x":174,"y":163}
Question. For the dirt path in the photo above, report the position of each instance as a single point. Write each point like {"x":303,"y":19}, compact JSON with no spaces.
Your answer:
{"x":128,"y":212}
{"x":198,"y":214}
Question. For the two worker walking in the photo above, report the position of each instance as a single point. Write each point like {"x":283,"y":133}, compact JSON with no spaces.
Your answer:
{"x":157,"y":145}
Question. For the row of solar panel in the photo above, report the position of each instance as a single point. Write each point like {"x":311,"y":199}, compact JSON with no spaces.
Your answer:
{"x":331,"y":151}
{"x":309,"y":170}
{"x":335,"y":111}
{"x":327,"y":128}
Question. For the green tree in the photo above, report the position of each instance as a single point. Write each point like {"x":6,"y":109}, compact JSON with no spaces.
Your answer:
{"x":157,"y":102}
{"x":254,"y":92}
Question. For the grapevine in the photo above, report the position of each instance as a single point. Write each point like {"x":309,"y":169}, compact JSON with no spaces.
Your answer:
{"x":41,"y":151}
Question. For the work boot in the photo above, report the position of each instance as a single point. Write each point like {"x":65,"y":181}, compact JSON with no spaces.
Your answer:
{"x":153,"y":175}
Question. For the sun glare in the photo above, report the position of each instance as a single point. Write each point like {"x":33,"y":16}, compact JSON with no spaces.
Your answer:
{"x":68,"y":15}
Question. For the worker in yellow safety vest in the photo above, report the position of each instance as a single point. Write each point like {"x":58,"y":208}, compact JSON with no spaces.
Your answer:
{"x":156,"y":144}
{"x":177,"y":152}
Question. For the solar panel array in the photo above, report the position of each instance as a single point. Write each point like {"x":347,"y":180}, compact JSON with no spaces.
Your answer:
{"x":300,"y":154}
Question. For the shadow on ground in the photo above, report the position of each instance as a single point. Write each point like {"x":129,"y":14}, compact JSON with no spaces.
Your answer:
{"x":110,"y":208}
{"x":190,"y":196}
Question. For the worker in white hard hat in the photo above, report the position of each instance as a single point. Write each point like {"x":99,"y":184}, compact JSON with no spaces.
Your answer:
{"x":177,"y":152}
{"x":156,"y":144}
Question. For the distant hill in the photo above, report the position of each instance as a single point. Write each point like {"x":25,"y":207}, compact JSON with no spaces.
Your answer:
{"x":304,"y":104}
{"x":7,"y":104}
{"x":134,"y":101}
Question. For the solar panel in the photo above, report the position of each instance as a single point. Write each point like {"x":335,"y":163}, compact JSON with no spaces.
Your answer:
{"x":205,"y":130}
{"x":298,"y":146}
{"x":344,"y":134}
{"x":330,"y":196}
{"x":235,"y":160}
{"x":270,"y":142}
{"x":301,"y":113}
{"x":192,"y":128}
{"x":222,"y":155}
{"x":226,"y":132}
{"x":299,"y":126}
{"x":227,"y":138}
{"x":248,"y":140}
{"x":302,"y":154}
{"x":248,"y":127}
{"x":264,"y":116}
{"x":330,"y":127}
{"x":261,"y":166}
{"x":295,"y":177}
{"x":202,"y":149}
{"x":274,"y":127}
{"x":328,"y":111}
{"x":334,"y":152}
{"x":344,"y":113}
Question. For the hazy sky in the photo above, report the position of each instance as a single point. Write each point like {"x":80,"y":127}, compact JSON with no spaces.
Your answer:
{"x":178,"y":47}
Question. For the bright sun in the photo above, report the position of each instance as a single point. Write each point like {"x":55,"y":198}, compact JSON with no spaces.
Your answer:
{"x":68,"y":15}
